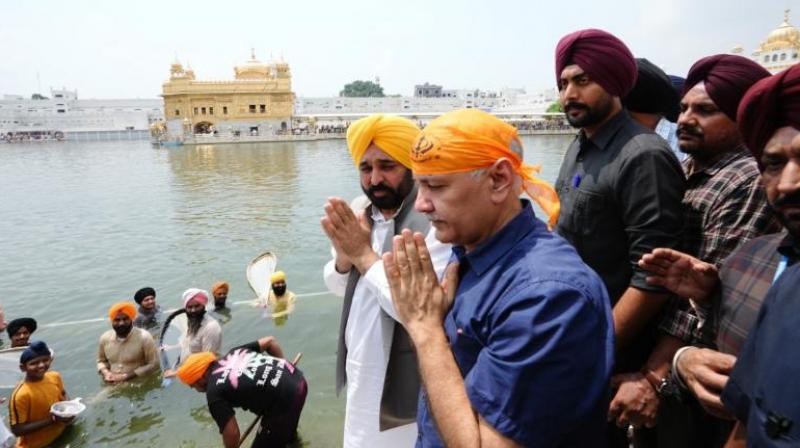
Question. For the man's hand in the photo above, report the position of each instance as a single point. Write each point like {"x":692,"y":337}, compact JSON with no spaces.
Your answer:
{"x":635,"y":403}
{"x":349,"y":235}
{"x":64,"y":420}
{"x":419,"y":299}
{"x":706,"y":372}
{"x":108,"y":376}
{"x":681,"y":273}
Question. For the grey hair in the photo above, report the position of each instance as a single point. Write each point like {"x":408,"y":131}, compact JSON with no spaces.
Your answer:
{"x":516,"y":148}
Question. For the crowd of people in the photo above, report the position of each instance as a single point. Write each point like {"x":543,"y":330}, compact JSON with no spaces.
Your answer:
{"x":254,"y":376}
{"x":650,"y":304}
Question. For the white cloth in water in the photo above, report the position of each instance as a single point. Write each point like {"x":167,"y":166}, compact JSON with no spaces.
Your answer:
{"x":7,"y":439}
{"x":369,"y":337}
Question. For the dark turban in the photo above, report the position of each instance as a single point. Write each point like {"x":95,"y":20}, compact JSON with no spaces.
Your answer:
{"x":16,"y":324}
{"x":677,"y":83}
{"x":35,"y":350}
{"x":653,"y":92}
{"x":726,"y":78}
{"x":602,"y":56}
{"x":142,"y":293}
{"x":769,"y":105}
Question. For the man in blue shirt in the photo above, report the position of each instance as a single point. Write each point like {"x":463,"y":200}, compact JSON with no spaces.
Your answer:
{"x":517,"y":347}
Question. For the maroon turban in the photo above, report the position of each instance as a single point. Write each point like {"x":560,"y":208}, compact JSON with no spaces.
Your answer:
{"x":726,"y":78}
{"x":769,"y":105}
{"x":602,"y":56}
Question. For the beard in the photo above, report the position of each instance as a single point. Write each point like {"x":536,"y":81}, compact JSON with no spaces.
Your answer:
{"x":791,"y":225}
{"x":591,"y":116}
{"x":393,"y":197}
{"x":123,"y":330}
{"x":279,"y":290}
{"x":193,"y":321}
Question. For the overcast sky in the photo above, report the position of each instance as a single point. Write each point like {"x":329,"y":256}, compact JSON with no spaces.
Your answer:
{"x":123,"y":49}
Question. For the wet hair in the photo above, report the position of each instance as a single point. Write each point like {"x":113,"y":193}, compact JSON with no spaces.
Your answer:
{"x":169,"y":319}
{"x":192,"y":324}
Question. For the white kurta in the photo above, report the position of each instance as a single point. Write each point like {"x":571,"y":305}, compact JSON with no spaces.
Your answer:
{"x":368,"y":337}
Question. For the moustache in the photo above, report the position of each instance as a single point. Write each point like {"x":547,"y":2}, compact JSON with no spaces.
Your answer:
{"x":689,"y":130}
{"x":575,"y":105}
{"x":379,"y":187}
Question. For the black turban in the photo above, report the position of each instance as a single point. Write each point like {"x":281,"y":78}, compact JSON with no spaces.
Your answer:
{"x":653,"y":92}
{"x":35,"y":350}
{"x":16,"y":324}
{"x":142,"y":293}
{"x":726,"y":78}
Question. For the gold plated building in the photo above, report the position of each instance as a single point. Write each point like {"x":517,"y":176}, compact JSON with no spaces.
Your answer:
{"x":258,"y":101}
{"x":781,"y":49}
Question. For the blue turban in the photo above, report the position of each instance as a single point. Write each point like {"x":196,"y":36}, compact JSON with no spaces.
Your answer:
{"x":35,"y":350}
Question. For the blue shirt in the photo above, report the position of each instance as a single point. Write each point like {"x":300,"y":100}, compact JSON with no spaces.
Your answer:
{"x":763,"y":389}
{"x":532,"y":334}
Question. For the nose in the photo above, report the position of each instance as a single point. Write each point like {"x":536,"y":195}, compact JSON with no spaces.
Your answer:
{"x":789,"y":181}
{"x":568,"y":93}
{"x":376,"y":177}
{"x":422,"y":204}
{"x":686,"y":119}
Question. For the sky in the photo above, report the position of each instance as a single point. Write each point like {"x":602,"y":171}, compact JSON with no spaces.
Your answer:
{"x":123,"y":49}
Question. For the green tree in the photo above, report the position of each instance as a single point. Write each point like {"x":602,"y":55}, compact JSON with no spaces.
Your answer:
{"x":362,"y":89}
{"x":555,"y":107}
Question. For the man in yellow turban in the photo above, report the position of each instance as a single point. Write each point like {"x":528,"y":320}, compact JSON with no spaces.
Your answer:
{"x":375,"y":358}
{"x":220,"y":292}
{"x":518,"y":350}
{"x":254,"y":377}
{"x":125,"y":352}
{"x":281,"y":300}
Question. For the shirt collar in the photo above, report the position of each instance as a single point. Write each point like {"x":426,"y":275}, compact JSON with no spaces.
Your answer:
{"x":603,"y":136}
{"x":486,"y":254}
{"x":788,"y":247}
{"x":739,"y":152}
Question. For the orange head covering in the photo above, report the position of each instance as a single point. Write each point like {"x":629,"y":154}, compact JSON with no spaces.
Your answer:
{"x":126,"y":308}
{"x":469,"y":139}
{"x":195,"y":367}
{"x":393,"y":135}
{"x":219,"y":285}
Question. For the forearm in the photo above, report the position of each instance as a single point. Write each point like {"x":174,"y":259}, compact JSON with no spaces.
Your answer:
{"x":230,"y":434}
{"x":738,"y":437}
{"x":447,"y":394}
{"x":23,"y":429}
{"x":633,"y":312}
{"x":657,"y":365}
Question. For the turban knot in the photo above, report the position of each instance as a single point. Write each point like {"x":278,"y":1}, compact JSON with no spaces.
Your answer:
{"x":195,"y":367}
{"x":605,"y":58}
{"x":726,"y":78}
{"x":770,"y":104}
{"x":469,"y":139}
{"x":393,"y":135}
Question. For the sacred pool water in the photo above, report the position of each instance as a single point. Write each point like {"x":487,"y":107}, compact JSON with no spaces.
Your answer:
{"x":84,"y":225}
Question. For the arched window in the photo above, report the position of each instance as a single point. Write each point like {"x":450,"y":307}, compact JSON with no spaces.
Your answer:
{"x":766,"y":58}
{"x":774,"y":57}
{"x":783,"y":56}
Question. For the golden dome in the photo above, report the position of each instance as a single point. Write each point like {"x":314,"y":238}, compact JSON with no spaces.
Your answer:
{"x":785,"y":33}
{"x":252,"y":69}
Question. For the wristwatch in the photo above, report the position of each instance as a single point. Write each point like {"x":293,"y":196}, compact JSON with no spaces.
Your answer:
{"x":664,"y":386}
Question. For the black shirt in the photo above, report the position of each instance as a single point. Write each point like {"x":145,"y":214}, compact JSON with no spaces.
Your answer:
{"x":249,"y":379}
{"x":621,"y":193}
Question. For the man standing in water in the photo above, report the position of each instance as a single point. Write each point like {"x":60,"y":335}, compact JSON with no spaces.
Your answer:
{"x":280,"y":301}
{"x":149,"y":313}
{"x":220,"y":292}
{"x":125,"y":352}
{"x":375,"y":357}
{"x":20,"y":331}
{"x":203,"y":332}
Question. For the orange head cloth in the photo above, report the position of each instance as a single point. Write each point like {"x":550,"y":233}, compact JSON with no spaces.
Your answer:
{"x":219,"y":285}
{"x":393,"y":135}
{"x":469,"y":139}
{"x":195,"y":367}
{"x":126,"y":308}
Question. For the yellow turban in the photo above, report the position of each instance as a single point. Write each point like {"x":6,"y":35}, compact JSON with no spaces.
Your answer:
{"x":195,"y":367}
{"x":392,"y":134}
{"x":219,"y":285}
{"x":278,"y":276}
{"x":469,"y":139}
{"x":126,"y":308}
